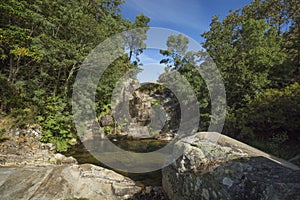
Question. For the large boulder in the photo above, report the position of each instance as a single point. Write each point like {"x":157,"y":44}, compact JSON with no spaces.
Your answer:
{"x":65,"y":182}
{"x":228,"y":169}
{"x":295,"y":160}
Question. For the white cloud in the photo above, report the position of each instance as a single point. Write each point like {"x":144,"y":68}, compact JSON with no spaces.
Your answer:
{"x":173,"y":11}
{"x":146,"y":59}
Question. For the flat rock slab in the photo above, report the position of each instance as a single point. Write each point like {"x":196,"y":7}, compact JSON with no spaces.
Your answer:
{"x":63,"y":182}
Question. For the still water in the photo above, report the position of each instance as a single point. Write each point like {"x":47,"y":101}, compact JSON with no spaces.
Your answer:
{"x":140,"y":146}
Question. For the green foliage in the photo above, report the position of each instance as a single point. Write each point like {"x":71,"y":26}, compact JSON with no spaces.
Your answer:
{"x":42,"y":44}
{"x":108,"y":129}
{"x":186,"y":63}
{"x":151,"y":131}
{"x":255,"y":48}
{"x":8,"y":95}
{"x":56,"y":122}
{"x":271,"y":121}
{"x":24,"y":116}
{"x":106,"y":110}
{"x":134,"y":41}
{"x":156,"y":102}
{"x":177,"y":49}
{"x":273,"y":110}
{"x":106,"y":85}
{"x":247,"y":49}
{"x":278,"y":145}
{"x":2,"y":132}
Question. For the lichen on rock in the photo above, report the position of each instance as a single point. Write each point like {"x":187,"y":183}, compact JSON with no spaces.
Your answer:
{"x":228,"y":169}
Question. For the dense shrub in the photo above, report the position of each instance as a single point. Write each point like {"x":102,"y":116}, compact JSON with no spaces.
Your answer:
{"x":8,"y":95}
{"x":271,"y":121}
{"x":276,"y":112}
{"x":56,"y":122}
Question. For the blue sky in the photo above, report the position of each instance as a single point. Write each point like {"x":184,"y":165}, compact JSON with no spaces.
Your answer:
{"x":189,"y":17}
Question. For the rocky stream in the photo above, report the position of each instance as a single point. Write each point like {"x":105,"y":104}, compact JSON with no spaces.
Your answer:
{"x":206,"y":169}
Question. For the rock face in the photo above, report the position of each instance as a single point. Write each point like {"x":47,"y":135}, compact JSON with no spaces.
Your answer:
{"x":23,"y":148}
{"x":106,"y":120}
{"x":228,"y":169}
{"x":64,"y":182}
{"x":30,"y":169}
{"x":140,"y":108}
{"x":154,"y":109}
{"x":142,"y":111}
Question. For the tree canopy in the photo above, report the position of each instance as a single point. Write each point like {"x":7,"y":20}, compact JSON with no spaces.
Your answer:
{"x":42,"y":44}
{"x":255,"y":48}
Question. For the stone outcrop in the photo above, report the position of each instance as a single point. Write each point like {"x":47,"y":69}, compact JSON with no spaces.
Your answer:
{"x":143,"y":111}
{"x":23,"y":148}
{"x":106,"y":120}
{"x":154,"y":112}
{"x":140,"y":108}
{"x":228,"y":169}
{"x":64,"y":182}
{"x":30,"y":169}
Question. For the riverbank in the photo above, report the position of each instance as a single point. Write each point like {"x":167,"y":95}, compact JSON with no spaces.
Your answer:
{"x":207,"y":169}
{"x":31,"y":169}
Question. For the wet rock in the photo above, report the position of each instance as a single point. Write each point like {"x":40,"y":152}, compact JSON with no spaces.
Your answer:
{"x":228,"y":169}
